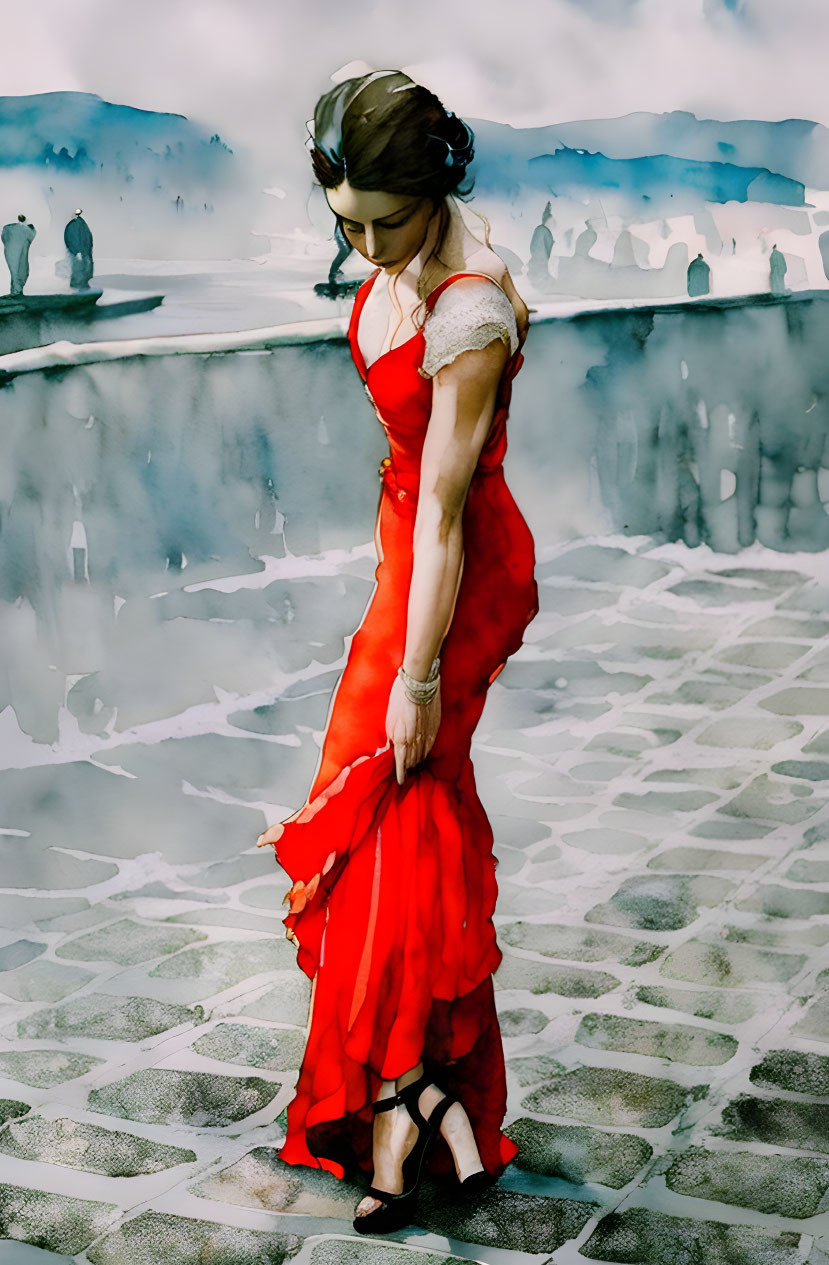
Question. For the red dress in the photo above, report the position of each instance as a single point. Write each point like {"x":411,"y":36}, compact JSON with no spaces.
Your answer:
{"x":394,"y":886}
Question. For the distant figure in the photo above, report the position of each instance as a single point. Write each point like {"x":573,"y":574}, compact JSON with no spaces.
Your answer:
{"x":699,"y":277}
{"x":777,"y":271}
{"x":179,"y":203}
{"x":78,"y":241}
{"x":541,"y":245}
{"x":17,"y":238}
{"x":823,"y":246}
{"x":344,"y":249}
{"x":586,"y":240}
{"x":733,"y":245}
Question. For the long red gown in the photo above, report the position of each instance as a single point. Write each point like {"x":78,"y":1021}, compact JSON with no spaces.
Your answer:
{"x":394,"y":886}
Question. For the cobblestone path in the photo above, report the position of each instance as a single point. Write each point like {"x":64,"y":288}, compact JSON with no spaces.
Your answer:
{"x":655,"y":763}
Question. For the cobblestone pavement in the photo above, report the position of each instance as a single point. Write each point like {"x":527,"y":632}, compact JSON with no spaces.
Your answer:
{"x":655,"y":763}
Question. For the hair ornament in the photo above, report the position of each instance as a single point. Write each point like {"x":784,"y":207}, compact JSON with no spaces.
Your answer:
{"x":457,"y":155}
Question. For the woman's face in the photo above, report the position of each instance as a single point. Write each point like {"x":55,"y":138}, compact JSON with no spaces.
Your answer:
{"x":388,"y":229}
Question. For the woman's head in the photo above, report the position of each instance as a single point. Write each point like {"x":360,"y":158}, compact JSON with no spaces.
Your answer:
{"x":387,"y":153}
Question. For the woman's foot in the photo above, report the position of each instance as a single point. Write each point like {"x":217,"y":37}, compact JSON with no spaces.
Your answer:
{"x":457,"y":1130}
{"x":394,"y":1136}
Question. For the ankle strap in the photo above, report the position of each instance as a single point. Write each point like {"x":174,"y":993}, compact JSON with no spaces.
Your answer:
{"x":414,"y":1089}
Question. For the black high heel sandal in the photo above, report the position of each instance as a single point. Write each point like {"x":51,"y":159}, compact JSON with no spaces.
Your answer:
{"x":397,"y":1210}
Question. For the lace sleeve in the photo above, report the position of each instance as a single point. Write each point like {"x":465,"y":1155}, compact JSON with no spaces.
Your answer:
{"x":469,"y":314}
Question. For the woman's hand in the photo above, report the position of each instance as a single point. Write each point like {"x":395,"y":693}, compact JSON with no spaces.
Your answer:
{"x":411,"y":728}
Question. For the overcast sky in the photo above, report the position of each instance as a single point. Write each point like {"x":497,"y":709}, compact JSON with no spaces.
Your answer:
{"x":253,"y":68}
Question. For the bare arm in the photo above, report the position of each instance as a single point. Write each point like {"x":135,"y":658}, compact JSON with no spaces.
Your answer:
{"x":463,"y":404}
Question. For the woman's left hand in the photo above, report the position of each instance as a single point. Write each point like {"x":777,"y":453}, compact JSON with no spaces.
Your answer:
{"x":411,"y":728}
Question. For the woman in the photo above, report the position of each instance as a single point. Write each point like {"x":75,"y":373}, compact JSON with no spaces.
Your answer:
{"x":391,"y":856}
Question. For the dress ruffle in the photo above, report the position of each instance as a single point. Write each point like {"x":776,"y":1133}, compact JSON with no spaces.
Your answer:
{"x":402,"y":907}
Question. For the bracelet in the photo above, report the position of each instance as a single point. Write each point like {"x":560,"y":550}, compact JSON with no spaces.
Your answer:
{"x":421,"y":692}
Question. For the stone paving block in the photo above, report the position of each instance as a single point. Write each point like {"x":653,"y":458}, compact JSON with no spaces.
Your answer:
{"x":218,"y":966}
{"x":809,"y":770}
{"x":577,"y":1154}
{"x":803,"y":1126}
{"x":155,"y":1237}
{"x":106,"y":1018}
{"x":771,"y":655}
{"x":88,"y":1147}
{"x":10,"y":1109}
{"x":21,"y":911}
{"x":127,"y":942}
{"x":42,"y":980}
{"x":664,"y":802}
{"x":276,"y":1049}
{"x":754,"y":733}
{"x":57,"y":1223}
{"x":643,"y":1237}
{"x":772,"y":577}
{"x":792,"y":1186}
{"x":162,"y":1095}
{"x":641,"y":731}
{"x":682,"y":1043}
{"x":582,"y":678}
{"x":261,"y":1180}
{"x":729,"y":966}
{"x":605,"y":564}
{"x":704,"y":859}
{"x":240,"y":869}
{"x":38,"y":867}
{"x":659,"y":902}
{"x":364,"y":1252}
{"x":224,"y":916}
{"x":505,"y":1219}
{"x":19,"y":953}
{"x":534,"y":1068}
{"x":565,"y":601}
{"x":815,"y":1022}
{"x":730,"y":828}
{"x":786,"y":937}
{"x":724,"y":1007}
{"x":797,"y":701}
{"x":775,"y":801}
{"x":44,"y":1069}
{"x":804,"y":870}
{"x":783,"y":626}
{"x":605,"y":1095}
{"x":785,"y":902}
{"x":286,"y":1002}
{"x":711,"y":691}
{"x":794,"y":1070}
{"x":724,"y":778}
{"x":605,"y":840}
{"x":521,"y":1021}
{"x":818,"y":745}
{"x":161,"y":891}
{"x":580,"y":944}
{"x":567,"y":981}
{"x":716,"y":593}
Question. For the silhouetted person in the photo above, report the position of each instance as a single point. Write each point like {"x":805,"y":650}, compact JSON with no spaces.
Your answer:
{"x":17,"y":238}
{"x":541,"y":245}
{"x":699,"y":277}
{"x":777,"y":271}
{"x":823,"y":246}
{"x":344,"y":249}
{"x":77,"y":239}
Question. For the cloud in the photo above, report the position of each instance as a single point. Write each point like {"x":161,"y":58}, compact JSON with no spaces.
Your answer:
{"x":252,"y":69}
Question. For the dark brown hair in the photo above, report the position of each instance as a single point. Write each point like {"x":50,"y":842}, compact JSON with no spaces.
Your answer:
{"x":386,"y":133}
